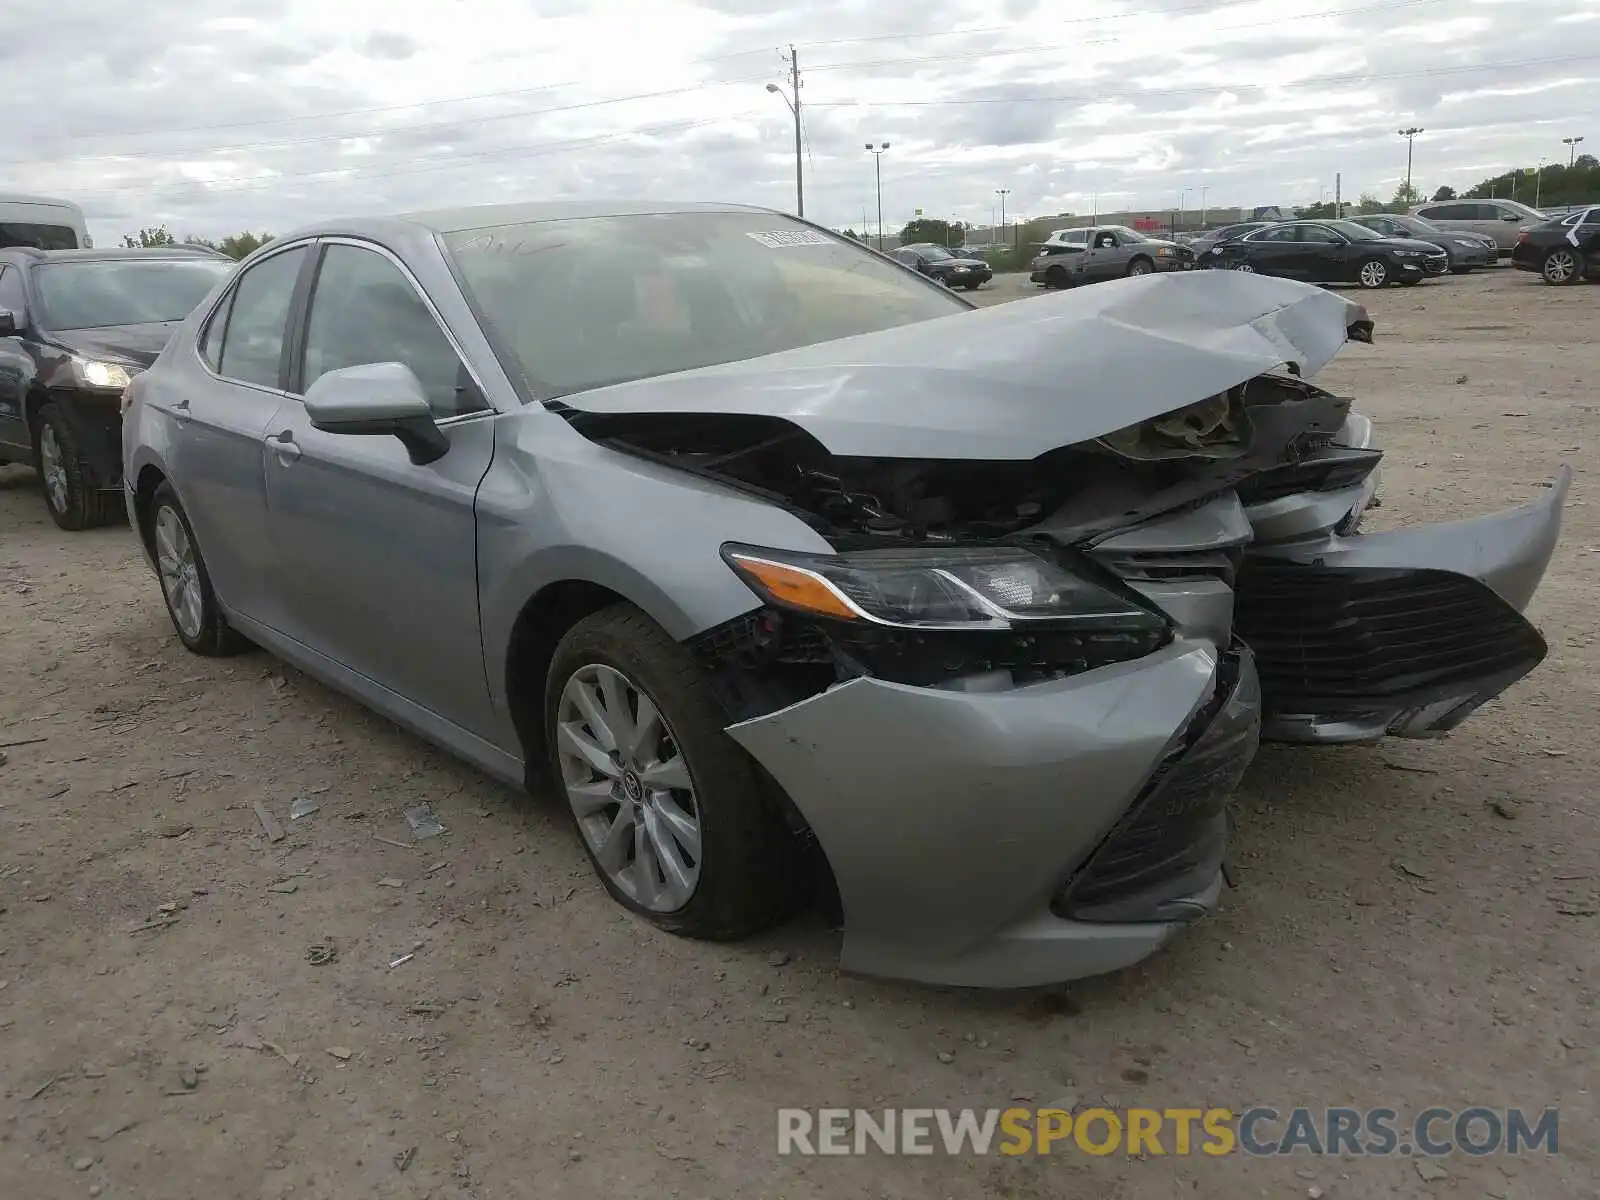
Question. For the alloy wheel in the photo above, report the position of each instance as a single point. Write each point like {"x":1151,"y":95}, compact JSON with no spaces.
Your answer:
{"x":1139,"y":268}
{"x":53,"y":466}
{"x":180,"y":575}
{"x":629,"y":787}
{"x":1245,"y":267}
{"x":1373,"y":274}
{"x":1560,"y":266}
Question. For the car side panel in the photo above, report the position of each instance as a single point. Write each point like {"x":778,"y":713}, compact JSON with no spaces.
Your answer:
{"x":557,"y":507}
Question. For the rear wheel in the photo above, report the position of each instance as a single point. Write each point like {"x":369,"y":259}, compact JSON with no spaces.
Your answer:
{"x":1374,"y":273}
{"x":73,"y":502}
{"x":1561,"y":267}
{"x":675,"y":817}
{"x":1056,"y":277}
{"x":1245,"y":267}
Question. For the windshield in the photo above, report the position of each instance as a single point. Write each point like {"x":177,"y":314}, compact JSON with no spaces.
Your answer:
{"x":594,"y":301}
{"x":94,"y":294}
{"x":40,"y":237}
{"x":1356,"y":233}
{"x":935,"y":253}
{"x":1123,"y":232}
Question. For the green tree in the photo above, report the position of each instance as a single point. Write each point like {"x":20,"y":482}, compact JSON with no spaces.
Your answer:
{"x":1316,"y":212}
{"x":235,"y":246}
{"x":1586,"y":162}
{"x":1556,"y":184}
{"x":1405,"y":196}
{"x":149,"y":236}
{"x":931,"y":229}
{"x":851,"y":233}
{"x":1445,"y":193}
{"x":1367,"y":204}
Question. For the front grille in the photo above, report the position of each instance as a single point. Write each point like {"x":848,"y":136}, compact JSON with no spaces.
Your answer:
{"x":1327,"y":471}
{"x":1332,"y":640}
{"x":1170,"y":844}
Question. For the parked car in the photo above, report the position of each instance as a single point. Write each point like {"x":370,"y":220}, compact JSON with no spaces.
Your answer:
{"x":1331,"y":252}
{"x":1500,"y":220}
{"x":1203,"y":243}
{"x":784,"y":563}
{"x":75,"y":326}
{"x":1101,"y":252}
{"x":948,"y":267}
{"x":42,"y":223}
{"x":1463,"y":251}
{"x":1564,"y":250}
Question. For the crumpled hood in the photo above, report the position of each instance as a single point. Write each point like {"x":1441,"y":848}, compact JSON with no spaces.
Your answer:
{"x":134,"y":345}
{"x":1015,"y":380}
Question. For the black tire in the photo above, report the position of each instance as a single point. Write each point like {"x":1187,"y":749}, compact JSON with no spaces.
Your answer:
{"x":1380,"y":277}
{"x":1056,"y":277}
{"x":751,"y":869}
{"x":972,"y":287}
{"x":1408,"y":282}
{"x":1141,"y":266}
{"x":1460,"y":270}
{"x":1561,"y":267}
{"x":215,"y":637}
{"x":83,"y":506}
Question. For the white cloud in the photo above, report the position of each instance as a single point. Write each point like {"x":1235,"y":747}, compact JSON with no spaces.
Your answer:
{"x":212,"y":116}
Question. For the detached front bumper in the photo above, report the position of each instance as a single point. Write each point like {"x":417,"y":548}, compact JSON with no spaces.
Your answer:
{"x":1020,"y":837}
{"x":1403,"y":633}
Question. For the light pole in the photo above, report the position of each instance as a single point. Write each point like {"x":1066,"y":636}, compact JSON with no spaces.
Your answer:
{"x":877,"y":170}
{"x":1203,"y":187}
{"x":1002,"y":193}
{"x":1538,"y":182}
{"x":1410,"y":135}
{"x":1571,"y":144}
{"x":1183,"y":194}
{"x":794,"y":109}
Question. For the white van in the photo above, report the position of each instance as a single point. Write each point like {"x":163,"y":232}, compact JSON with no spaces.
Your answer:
{"x":42,"y":223}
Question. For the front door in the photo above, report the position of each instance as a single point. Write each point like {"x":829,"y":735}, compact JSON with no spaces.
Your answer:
{"x":1319,"y":254}
{"x":378,"y":556}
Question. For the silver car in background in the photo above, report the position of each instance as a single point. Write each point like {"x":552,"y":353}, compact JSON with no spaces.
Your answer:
{"x":1501,"y":221}
{"x":796,"y":574}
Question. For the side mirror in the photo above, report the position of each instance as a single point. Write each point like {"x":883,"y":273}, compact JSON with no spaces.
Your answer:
{"x":10,"y":323}
{"x":377,"y":398}
{"x":1510,"y":217}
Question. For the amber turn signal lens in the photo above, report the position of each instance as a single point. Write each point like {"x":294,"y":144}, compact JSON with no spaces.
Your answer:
{"x":794,"y":587}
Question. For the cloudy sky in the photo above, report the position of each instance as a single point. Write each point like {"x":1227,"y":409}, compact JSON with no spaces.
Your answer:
{"x":212,"y":116}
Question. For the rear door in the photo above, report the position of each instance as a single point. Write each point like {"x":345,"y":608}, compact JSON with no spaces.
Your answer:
{"x":219,"y":467}
{"x":1272,"y":251}
{"x":378,"y":555}
{"x":16,"y":371}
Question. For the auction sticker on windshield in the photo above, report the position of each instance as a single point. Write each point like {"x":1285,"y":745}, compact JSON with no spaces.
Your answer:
{"x":777,"y":239}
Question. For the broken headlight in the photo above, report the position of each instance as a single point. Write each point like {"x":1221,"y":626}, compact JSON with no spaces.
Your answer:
{"x":977,"y":588}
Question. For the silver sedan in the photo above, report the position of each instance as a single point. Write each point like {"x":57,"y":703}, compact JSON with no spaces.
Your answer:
{"x":800,"y":578}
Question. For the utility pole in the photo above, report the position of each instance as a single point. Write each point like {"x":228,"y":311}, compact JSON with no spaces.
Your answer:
{"x":1571,"y":144}
{"x":1002,"y":193}
{"x":877,"y":170}
{"x":1410,"y":135}
{"x":1538,"y":182}
{"x":1338,"y":206}
{"x":1203,"y":187}
{"x":794,"y":109}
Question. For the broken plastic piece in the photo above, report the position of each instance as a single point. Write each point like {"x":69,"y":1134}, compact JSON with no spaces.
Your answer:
{"x":303,"y":806}
{"x":423,"y":822}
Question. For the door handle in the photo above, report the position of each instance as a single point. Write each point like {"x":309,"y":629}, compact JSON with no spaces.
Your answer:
{"x":285,"y":447}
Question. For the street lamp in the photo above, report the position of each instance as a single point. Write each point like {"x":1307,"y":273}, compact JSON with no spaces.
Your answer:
{"x":794,"y":109}
{"x":1571,"y":144}
{"x":1203,"y":188}
{"x":1178,"y":220}
{"x":1410,"y":135}
{"x":1002,"y":193}
{"x":877,"y":170}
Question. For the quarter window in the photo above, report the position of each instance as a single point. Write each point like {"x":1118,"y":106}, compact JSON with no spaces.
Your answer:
{"x":364,"y":310}
{"x":12,"y":299}
{"x":252,"y":344}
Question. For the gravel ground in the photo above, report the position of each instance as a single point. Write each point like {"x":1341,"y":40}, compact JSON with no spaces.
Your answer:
{"x":1414,"y":923}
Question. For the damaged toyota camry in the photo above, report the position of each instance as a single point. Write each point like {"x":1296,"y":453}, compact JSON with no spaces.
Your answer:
{"x":799,"y":577}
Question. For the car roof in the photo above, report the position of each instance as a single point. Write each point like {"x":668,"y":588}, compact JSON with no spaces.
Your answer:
{"x":111,"y":253}
{"x":455,"y":220}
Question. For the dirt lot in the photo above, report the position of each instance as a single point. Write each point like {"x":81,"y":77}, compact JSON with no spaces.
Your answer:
{"x":1415,"y":923}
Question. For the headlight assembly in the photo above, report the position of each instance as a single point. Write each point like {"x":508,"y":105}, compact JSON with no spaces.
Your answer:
{"x":93,"y":373}
{"x":980,"y":588}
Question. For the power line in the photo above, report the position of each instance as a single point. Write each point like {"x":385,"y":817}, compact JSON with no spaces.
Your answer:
{"x":1093,"y":97}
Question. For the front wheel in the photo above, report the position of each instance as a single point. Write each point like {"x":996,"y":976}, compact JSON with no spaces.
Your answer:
{"x":1245,"y":267}
{"x":971,"y":287}
{"x":73,"y":502}
{"x":1141,"y":266}
{"x":1460,"y":270}
{"x":1374,"y":273}
{"x":185,"y":582}
{"x":1561,"y":267}
{"x":675,"y":817}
